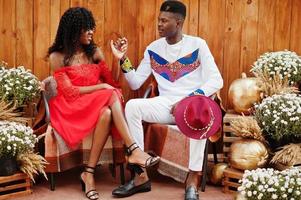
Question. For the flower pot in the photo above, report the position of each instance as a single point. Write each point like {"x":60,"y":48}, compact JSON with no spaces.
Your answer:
{"x":275,"y":144}
{"x":8,"y":166}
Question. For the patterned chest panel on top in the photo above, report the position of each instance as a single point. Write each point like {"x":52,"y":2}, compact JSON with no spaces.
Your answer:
{"x":179,"y":68}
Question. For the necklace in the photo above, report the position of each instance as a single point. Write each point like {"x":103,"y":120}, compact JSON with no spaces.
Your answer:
{"x":175,"y":52}
{"x":77,"y":58}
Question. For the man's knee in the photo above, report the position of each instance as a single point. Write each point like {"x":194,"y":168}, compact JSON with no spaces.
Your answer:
{"x":131,"y":107}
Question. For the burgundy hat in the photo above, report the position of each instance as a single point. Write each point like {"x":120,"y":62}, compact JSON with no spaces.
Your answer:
{"x":198,"y":117}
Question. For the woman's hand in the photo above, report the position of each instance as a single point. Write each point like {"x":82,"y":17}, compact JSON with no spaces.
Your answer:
{"x":105,"y":86}
{"x":119,"y":47}
{"x":92,"y":88}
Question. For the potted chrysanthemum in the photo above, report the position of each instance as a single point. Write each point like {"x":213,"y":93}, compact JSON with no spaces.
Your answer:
{"x":266,"y":184}
{"x":279,"y":118}
{"x":17,"y":140}
{"x":18,"y":84}
{"x":280,"y":63}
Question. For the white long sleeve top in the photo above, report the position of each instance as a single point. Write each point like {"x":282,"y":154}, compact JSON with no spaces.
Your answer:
{"x":179,"y":69}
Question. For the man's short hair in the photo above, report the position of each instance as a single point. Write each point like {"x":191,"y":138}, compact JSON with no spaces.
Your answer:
{"x":174,"y":7}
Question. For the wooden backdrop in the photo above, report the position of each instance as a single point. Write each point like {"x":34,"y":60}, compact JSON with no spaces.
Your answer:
{"x":237,"y":31}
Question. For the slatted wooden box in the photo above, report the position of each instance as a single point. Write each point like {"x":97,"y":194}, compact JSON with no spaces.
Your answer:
{"x":228,"y":135}
{"x":15,"y":185}
{"x":231,"y":179}
{"x":29,"y":121}
{"x":29,"y":112}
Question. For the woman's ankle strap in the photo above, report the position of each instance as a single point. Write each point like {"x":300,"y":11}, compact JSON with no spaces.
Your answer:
{"x":131,"y":148}
{"x":89,"y":169}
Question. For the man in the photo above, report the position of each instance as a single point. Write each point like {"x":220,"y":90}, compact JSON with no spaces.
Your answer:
{"x":182,"y":66}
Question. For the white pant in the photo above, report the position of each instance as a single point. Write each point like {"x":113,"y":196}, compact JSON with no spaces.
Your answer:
{"x":157,"y":110}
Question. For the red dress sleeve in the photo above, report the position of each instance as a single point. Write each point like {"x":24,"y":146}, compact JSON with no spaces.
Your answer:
{"x":64,"y":85}
{"x":106,"y":75}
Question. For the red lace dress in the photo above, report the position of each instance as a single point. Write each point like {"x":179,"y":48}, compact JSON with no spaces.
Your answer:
{"x":74,"y":115}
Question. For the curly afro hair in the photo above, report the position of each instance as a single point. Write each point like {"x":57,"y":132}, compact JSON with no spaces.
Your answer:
{"x":72,"y":23}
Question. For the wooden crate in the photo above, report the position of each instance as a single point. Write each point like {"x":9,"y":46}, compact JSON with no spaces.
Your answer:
{"x":228,"y":135}
{"x":231,"y":179}
{"x":13,"y":186}
{"x":29,"y":121}
{"x":31,"y":110}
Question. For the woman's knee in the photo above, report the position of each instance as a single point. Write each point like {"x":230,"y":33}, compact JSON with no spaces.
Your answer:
{"x":106,"y":115}
{"x":115,"y":96}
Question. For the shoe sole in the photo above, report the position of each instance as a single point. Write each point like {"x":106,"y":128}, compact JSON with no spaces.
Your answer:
{"x":132,"y":192}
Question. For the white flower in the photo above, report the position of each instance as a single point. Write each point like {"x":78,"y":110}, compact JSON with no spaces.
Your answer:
{"x":284,"y":63}
{"x":18,"y":84}
{"x":260,"y":196}
{"x":270,"y":189}
{"x":260,"y":187}
{"x":286,"y":109}
{"x":271,"y":184}
{"x":13,"y":141}
{"x":248,"y":185}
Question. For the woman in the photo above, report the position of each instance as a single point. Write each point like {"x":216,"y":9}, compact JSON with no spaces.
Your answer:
{"x":87,"y":99}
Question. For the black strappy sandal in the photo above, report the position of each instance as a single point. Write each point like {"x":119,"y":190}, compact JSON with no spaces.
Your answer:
{"x":91,"y":194}
{"x":150,"y":161}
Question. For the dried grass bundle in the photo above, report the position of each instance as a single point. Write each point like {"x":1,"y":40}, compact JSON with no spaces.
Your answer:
{"x":247,"y":127}
{"x":31,"y":163}
{"x":276,"y":85}
{"x":8,"y":112}
{"x":289,"y":155}
{"x":3,"y":64}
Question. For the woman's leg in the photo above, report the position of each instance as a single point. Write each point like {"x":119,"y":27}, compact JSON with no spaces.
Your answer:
{"x":100,"y":137}
{"x":138,"y":156}
{"x":137,"y":110}
{"x":152,"y":110}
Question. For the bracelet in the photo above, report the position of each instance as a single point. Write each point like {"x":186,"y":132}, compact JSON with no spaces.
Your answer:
{"x":122,"y":59}
{"x":126,"y":65}
{"x":197,"y":92}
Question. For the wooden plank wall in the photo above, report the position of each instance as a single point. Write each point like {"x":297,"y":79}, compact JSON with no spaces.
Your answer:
{"x":237,"y":31}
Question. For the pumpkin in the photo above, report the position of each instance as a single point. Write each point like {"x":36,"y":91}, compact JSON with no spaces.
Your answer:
{"x":217,"y":173}
{"x":247,"y":154}
{"x":243,"y":93}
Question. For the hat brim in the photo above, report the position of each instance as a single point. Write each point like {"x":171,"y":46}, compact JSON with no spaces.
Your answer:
{"x":196,"y":134}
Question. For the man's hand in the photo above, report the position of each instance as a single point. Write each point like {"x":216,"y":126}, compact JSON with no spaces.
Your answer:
{"x":119,"y":47}
{"x":173,"y":109}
